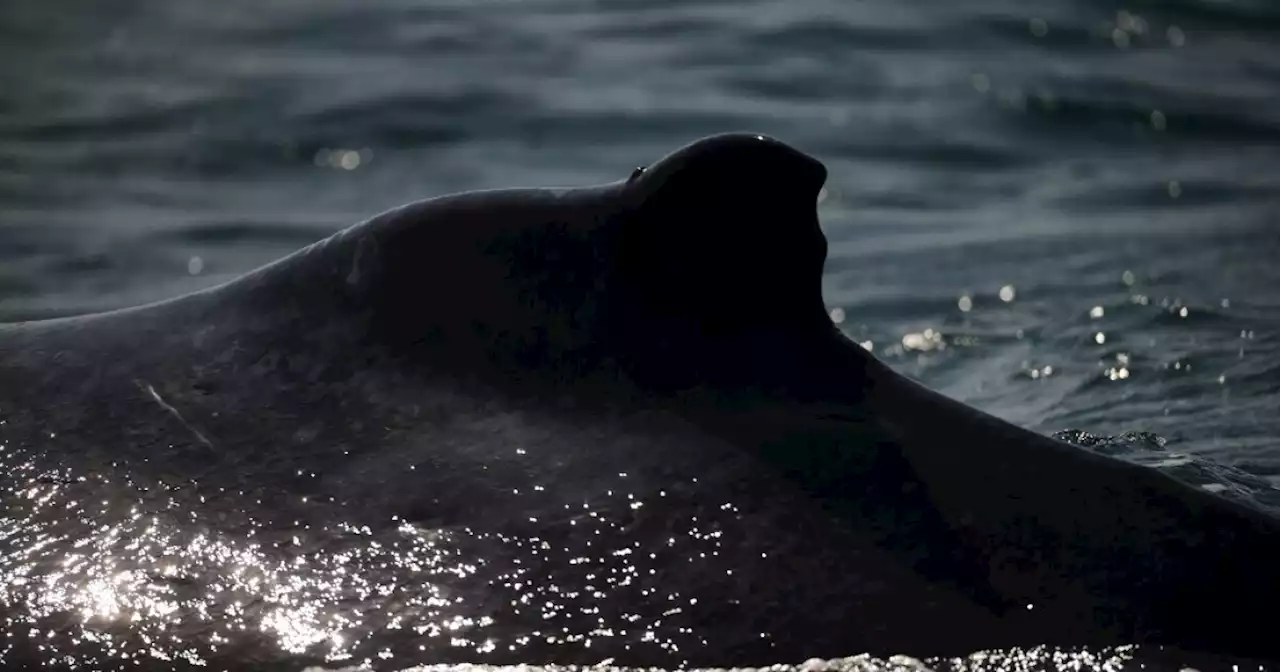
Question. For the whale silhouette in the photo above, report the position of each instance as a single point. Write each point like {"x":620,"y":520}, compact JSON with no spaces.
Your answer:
{"x":561,"y":426}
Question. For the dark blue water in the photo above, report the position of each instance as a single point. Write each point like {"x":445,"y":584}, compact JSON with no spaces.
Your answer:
{"x":1067,"y":214}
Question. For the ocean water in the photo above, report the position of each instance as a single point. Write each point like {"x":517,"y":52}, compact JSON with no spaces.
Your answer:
{"x":1064,"y":213}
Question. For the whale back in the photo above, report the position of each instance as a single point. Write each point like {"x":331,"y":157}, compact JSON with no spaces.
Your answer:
{"x":619,"y":411}
{"x":645,"y":279}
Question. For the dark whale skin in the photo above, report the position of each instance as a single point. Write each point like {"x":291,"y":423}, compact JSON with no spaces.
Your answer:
{"x":671,"y":328}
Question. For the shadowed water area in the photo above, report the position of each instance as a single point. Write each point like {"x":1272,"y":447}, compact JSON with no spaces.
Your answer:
{"x":1062,"y":213}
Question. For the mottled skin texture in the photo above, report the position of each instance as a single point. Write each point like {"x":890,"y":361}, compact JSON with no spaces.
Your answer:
{"x":669,"y":327}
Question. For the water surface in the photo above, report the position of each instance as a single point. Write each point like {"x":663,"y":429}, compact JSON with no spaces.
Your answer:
{"x":1063,"y":213}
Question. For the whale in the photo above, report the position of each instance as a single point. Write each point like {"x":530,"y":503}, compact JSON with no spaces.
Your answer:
{"x":565,"y":426}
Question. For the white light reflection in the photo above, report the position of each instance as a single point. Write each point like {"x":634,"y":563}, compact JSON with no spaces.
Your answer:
{"x":147,"y":571}
{"x":78,"y":567}
{"x":155,"y":574}
{"x":1021,"y":660}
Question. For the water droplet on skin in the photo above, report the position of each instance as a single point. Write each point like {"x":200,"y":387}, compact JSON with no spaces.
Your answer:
{"x":1038,"y":27}
{"x":195,"y":265}
{"x":1157,"y":120}
{"x":1008,"y":293}
{"x":1175,"y":189}
{"x":1176,"y":37}
{"x":965,"y":303}
{"x":1097,"y":312}
{"x":1100,"y":338}
{"x":837,"y":315}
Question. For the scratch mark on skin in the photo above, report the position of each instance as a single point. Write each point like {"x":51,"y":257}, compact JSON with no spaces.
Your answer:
{"x":366,"y":251}
{"x":146,"y":387}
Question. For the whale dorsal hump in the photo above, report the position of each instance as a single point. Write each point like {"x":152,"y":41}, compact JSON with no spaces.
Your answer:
{"x":725,"y":234}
